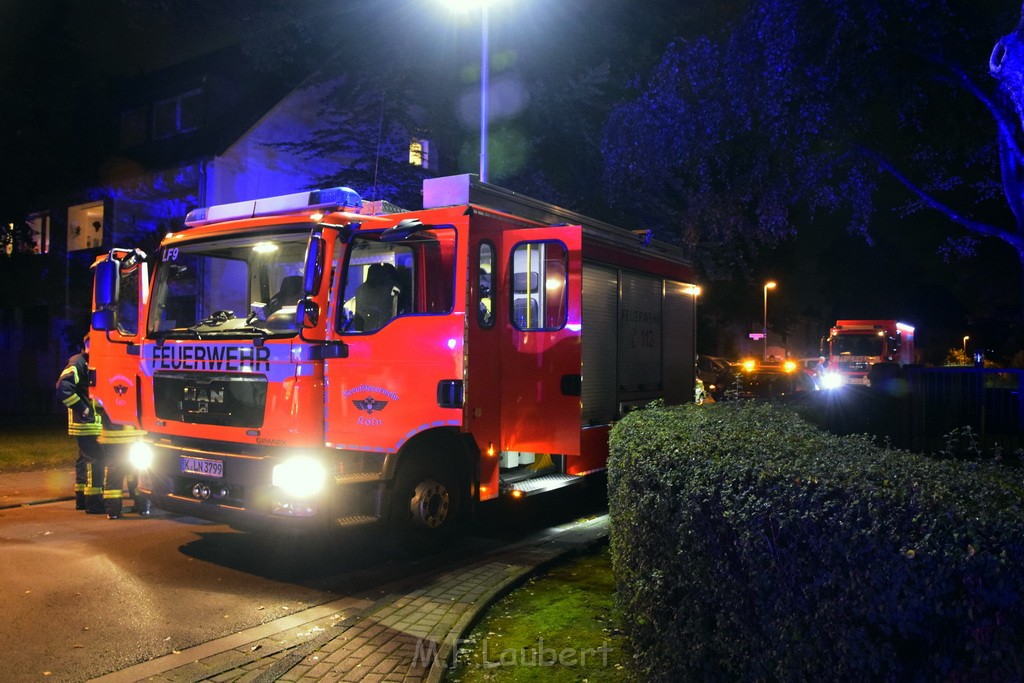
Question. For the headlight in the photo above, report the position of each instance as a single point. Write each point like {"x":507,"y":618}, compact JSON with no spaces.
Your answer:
{"x":300,"y":477}
{"x":140,"y":455}
{"x":831,"y":380}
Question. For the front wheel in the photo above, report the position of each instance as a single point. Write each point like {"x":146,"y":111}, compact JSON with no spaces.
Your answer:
{"x":426,"y":501}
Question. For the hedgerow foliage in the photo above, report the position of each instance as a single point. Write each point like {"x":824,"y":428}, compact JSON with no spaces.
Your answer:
{"x":749,"y":545}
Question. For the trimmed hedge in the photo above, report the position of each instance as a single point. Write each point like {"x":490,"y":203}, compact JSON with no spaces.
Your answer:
{"x":749,"y":545}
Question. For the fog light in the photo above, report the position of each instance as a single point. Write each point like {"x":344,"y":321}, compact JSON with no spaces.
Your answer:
{"x":140,"y":455}
{"x":300,"y":477}
{"x":294,"y":509}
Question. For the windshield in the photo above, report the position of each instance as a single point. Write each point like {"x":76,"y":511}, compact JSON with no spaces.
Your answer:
{"x":232,"y":287}
{"x":857,"y":345}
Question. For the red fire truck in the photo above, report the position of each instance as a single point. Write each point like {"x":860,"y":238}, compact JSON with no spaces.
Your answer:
{"x":853,"y":346}
{"x":303,"y":361}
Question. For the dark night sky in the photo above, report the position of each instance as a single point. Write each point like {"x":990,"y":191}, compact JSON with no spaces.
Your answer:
{"x":60,"y":55}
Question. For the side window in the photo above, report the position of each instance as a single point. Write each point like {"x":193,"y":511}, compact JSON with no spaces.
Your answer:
{"x":484,"y":290}
{"x":539,"y":285}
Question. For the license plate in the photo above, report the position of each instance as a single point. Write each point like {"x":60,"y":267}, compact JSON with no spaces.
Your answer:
{"x":207,"y":468}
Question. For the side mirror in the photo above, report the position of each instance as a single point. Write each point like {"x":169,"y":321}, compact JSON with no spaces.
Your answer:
{"x":107,"y":282}
{"x":103,"y":320}
{"x":314,"y":270}
{"x":308,"y":313}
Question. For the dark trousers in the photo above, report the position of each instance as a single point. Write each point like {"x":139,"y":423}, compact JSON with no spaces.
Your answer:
{"x":120,"y":477}
{"x":88,"y":470}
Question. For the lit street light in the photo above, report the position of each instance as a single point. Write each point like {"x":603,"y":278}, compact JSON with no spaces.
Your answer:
{"x":965,"y":344}
{"x":764,"y":327}
{"x":485,"y":58}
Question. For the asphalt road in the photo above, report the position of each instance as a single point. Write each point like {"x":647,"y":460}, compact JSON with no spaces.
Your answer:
{"x":83,"y":595}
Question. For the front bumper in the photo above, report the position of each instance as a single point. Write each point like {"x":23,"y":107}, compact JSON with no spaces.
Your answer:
{"x":243,"y":497}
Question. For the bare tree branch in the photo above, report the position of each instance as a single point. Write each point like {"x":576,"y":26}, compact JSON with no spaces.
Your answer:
{"x":936,"y":204}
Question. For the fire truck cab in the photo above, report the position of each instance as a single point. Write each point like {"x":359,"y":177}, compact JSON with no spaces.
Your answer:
{"x":854,"y":346}
{"x":309,"y":361}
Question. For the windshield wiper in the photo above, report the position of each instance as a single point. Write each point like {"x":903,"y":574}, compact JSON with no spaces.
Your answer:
{"x":214,"y":319}
{"x":242,"y":329}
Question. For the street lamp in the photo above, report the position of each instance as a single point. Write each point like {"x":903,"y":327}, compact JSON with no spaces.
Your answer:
{"x":764,"y":327}
{"x":965,"y":344}
{"x":485,"y":59}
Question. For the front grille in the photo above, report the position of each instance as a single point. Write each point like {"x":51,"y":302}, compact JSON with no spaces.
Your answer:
{"x":211,"y":398}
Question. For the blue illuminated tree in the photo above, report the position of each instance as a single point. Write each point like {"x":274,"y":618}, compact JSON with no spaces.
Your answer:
{"x":801,"y":112}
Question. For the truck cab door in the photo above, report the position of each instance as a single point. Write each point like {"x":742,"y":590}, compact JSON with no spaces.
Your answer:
{"x":540,"y":354}
{"x":120,"y":295}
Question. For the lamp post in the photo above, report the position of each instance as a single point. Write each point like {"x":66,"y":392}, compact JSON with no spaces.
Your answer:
{"x":965,"y":344}
{"x":764,"y":327}
{"x":485,"y":59}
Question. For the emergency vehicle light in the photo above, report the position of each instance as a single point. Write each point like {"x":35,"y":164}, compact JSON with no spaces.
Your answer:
{"x":336,"y":198}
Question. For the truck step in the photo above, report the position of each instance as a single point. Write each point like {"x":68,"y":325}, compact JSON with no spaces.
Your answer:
{"x":356,"y":520}
{"x":549,"y":482}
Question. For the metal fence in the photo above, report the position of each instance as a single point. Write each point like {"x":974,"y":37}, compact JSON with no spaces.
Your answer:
{"x":987,"y":400}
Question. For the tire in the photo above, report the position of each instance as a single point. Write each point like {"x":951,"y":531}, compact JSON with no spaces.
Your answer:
{"x":426,"y":501}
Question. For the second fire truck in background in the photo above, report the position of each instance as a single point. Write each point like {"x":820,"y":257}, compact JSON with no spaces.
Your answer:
{"x":853,"y":347}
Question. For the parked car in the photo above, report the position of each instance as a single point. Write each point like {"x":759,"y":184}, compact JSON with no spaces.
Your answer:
{"x":770,"y":381}
{"x":717,"y":374}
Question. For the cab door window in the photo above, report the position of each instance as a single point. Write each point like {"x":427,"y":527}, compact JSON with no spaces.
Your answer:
{"x":539,"y":285}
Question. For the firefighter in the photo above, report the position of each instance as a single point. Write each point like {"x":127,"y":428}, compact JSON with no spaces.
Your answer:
{"x":84,"y":424}
{"x":116,"y":441}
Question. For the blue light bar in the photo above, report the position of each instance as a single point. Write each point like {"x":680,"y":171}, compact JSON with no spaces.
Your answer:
{"x":341,"y":197}
{"x":336,"y":198}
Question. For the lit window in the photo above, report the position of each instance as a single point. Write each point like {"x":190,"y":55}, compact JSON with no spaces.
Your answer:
{"x":39,"y":223}
{"x":85,"y":226}
{"x":419,"y":153}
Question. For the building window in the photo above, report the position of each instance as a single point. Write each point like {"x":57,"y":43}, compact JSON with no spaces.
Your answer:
{"x":39,"y":224}
{"x":133,"y":127}
{"x":419,"y":153}
{"x":177,"y":115}
{"x":85,"y":226}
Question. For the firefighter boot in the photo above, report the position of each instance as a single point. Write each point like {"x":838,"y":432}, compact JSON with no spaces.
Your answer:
{"x":94,"y":504}
{"x":79,"y":500}
{"x":112,"y":501}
